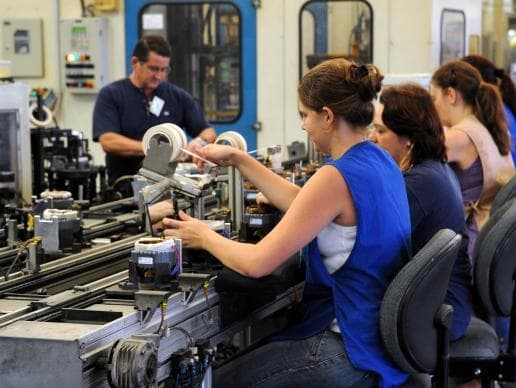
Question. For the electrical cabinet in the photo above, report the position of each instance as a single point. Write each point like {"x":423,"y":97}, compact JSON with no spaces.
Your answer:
{"x":84,"y":54}
{"x":23,"y":46}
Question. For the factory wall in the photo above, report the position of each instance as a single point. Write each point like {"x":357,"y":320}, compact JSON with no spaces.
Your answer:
{"x":75,"y":110}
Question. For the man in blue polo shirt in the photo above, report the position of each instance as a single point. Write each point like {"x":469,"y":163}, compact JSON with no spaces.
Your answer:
{"x":126,"y":108}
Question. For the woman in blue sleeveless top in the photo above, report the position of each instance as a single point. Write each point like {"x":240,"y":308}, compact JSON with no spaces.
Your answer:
{"x":353,"y":218}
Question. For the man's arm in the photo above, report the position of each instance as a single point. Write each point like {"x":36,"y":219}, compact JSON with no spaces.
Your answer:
{"x":206,"y":136}
{"x":120,"y":145}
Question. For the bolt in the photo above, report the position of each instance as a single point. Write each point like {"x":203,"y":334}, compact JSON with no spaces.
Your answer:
{"x":477,"y":372}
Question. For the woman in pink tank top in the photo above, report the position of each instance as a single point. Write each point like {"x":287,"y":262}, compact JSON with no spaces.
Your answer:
{"x":477,"y":140}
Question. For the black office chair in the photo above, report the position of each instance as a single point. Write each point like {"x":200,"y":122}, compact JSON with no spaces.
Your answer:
{"x":414,"y":323}
{"x":477,"y":354}
{"x":505,"y":194}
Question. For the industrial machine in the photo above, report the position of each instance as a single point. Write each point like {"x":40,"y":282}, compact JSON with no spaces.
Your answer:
{"x":15,"y":140}
{"x":132,"y":311}
{"x":61,"y":162}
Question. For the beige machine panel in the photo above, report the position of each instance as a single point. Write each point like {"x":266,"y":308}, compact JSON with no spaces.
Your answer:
{"x":84,"y":53}
{"x":23,"y":46}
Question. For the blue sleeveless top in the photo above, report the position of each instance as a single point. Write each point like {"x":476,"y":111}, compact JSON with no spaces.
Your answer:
{"x":354,"y":293}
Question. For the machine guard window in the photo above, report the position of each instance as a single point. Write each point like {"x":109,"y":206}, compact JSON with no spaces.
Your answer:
{"x":335,"y":29}
{"x":9,"y":125}
{"x":206,"y":42}
{"x":453,"y":35}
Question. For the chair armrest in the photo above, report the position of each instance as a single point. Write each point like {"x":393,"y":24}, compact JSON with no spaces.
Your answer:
{"x":444,"y":316}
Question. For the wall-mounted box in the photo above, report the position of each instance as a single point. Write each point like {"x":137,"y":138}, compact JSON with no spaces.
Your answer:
{"x":23,"y":45}
{"x":84,"y":54}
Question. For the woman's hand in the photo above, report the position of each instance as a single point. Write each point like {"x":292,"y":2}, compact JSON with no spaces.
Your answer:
{"x":221,"y":154}
{"x":190,"y":230}
{"x":262,"y":199}
{"x":160,"y":210}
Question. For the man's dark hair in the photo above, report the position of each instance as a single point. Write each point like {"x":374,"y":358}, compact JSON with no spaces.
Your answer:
{"x":154,"y":43}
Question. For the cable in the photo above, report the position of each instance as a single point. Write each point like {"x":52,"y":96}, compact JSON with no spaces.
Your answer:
{"x":18,"y":255}
{"x":189,"y":339}
{"x":120,"y":179}
{"x":83,"y":9}
{"x":23,"y":247}
{"x":55,"y":122}
{"x":210,"y":318}
{"x":6,"y":274}
{"x":163,"y":309}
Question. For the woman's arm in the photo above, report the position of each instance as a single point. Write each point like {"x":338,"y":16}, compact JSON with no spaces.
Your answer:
{"x":324,"y":198}
{"x":459,"y":148}
{"x":278,"y":190}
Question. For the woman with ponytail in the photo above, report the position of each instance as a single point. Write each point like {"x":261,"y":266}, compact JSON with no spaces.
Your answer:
{"x":494,"y":76}
{"x":477,"y":139}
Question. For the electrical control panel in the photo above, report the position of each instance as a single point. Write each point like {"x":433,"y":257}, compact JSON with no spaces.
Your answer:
{"x":84,"y":54}
{"x":22,"y":45}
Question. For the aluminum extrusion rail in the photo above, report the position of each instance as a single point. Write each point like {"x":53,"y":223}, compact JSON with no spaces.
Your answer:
{"x":60,"y":269}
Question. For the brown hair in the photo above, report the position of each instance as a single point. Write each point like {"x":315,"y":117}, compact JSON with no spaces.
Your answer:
{"x":344,"y":87}
{"x":408,"y":111}
{"x":154,"y":43}
{"x":491,"y":74}
{"x":482,"y":97}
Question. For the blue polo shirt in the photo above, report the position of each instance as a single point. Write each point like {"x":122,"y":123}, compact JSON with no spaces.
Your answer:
{"x":122,"y":108}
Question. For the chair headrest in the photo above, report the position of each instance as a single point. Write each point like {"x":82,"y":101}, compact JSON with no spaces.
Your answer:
{"x":412,"y":300}
{"x":494,"y":260}
{"x":505,"y":194}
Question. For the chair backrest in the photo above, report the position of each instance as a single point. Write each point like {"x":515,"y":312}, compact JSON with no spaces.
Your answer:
{"x":412,"y":300}
{"x":505,"y":194}
{"x":495,"y":259}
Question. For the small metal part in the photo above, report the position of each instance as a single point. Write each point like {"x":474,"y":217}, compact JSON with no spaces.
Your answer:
{"x":147,"y":301}
{"x":12,"y":232}
{"x":190,"y":283}
{"x":33,"y":263}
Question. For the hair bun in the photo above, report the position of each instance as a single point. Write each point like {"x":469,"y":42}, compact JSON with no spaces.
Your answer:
{"x":367,"y":79}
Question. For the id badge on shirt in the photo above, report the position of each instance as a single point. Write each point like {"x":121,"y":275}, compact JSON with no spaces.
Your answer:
{"x":156,"y":105}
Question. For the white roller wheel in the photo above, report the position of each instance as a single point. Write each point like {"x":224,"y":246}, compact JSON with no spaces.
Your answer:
{"x":233,"y":139}
{"x":49,"y":117}
{"x":174,"y":135}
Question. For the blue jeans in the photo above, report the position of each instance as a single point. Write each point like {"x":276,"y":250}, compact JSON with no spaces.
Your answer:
{"x":503,"y":325}
{"x":318,"y":361}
